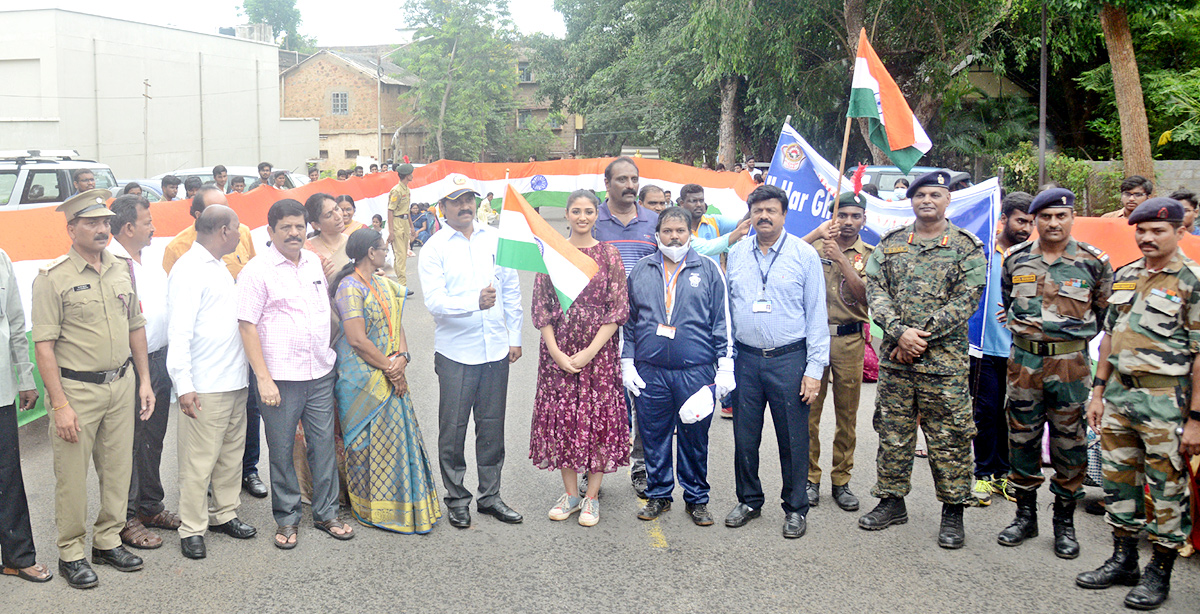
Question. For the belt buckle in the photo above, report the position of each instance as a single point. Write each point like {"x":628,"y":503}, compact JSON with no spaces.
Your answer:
{"x":768,"y":352}
{"x":110,"y":376}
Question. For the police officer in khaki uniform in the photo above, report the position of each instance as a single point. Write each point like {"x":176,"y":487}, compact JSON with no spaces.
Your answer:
{"x":843,"y":257}
{"x":399,"y":226}
{"x":88,"y":329}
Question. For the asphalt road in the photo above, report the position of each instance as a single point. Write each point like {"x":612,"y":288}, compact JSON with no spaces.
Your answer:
{"x":622,"y":564}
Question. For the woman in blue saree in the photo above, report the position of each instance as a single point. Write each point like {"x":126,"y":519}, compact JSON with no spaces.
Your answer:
{"x":391,"y":480}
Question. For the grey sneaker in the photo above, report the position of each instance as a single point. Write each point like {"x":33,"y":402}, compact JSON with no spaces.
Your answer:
{"x":566,"y":506}
{"x":589,"y":513}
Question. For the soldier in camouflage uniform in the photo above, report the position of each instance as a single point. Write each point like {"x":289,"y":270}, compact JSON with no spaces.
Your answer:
{"x":1055,"y":291}
{"x":1148,"y":420}
{"x":923,"y":282}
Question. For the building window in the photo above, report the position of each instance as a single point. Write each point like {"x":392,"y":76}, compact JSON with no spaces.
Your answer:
{"x":341,"y":103}
{"x":526,"y":73}
{"x":351,"y":154}
{"x":555,"y":122}
{"x":324,"y":155}
{"x":524,"y":116}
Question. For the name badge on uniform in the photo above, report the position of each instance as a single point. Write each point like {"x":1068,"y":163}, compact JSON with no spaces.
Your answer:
{"x":666,"y":331}
{"x":1125,"y":285}
{"x":1023,"y":279}
{"x":895,"y":250}
{"x":761,"y":306}
{"x":81,"y":288}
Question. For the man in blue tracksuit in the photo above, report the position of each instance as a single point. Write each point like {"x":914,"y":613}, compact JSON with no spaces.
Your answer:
{"x":676,"y":343}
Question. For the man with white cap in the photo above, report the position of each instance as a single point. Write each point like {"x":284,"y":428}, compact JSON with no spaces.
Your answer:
{"x":476,"y":308}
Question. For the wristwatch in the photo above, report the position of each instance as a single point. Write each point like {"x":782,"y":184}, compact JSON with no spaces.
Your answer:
{"x":406,"y":356}
{"x":1194,"y":415}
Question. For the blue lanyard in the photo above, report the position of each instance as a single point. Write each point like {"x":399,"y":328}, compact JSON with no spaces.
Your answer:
{"x":778,"y":248}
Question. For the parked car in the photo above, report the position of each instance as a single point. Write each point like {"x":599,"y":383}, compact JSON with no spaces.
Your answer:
{"x":42,"y":178}
{"x":250,"y":173}
{"x":151,"y":188}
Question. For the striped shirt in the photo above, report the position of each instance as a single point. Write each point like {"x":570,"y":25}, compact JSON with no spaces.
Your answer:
{"x":634,"y":241}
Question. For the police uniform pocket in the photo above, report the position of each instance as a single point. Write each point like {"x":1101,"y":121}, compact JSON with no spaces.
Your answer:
{"x":1161,"y":315}
{"x":1025,"y":290}
{"x":1121,"y":297}
{"x":121,"y":299}
{"x":1072,"y":301}
{"x":83,"y":306}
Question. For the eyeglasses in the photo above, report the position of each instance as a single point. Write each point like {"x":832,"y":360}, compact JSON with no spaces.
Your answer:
{"x":1133,"y":194}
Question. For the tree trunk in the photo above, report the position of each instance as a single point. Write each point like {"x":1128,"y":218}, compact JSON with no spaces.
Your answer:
{"x":1127,"y":85}
{"x":727,"y":135}
{"x":445,"y":99}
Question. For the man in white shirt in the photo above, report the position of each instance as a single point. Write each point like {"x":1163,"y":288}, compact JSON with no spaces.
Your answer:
{"x":133,"y":229}
{"x":208,"y":367}
{"x":476,"y":308}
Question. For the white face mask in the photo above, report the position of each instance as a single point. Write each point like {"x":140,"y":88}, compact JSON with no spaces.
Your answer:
{"x":675,"y":254}
{"x":900,"y":194}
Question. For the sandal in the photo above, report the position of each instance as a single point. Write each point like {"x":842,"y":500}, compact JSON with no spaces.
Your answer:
{"x":921,"y":453}
{"x":136,"y":535}
{"x":43,"y":573}
{"x":162,"y":520}
{"x":328,"y":526}
{"x":287,"y":532}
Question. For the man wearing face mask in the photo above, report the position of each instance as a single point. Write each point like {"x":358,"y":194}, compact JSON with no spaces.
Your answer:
{"x":1144,"y":404}
{"x":677,"y":343}
{"x":1055,"y":292}
{"x":781,"y":330}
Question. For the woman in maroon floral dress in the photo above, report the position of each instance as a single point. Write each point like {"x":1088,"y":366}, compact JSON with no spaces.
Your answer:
{"x":580,"y":423}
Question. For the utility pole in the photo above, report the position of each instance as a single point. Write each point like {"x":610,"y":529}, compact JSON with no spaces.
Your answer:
{"x":379,"y":108}
{"x":1042,"y":107}
{"x":146,"y":128}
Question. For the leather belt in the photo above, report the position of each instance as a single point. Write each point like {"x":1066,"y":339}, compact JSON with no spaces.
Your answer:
{"x":1151,"y":381}
{"x":1049,"y":348}
{"x":96,"y":377}
{"x":771,"y":352}
{"x":841,"y":330}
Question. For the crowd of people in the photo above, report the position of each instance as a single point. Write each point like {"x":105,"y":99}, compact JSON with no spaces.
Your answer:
{"x":689,"y":316}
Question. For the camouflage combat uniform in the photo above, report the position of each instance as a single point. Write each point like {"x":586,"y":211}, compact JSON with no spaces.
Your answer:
{"x":1154,"y":322}
{"x":933,"y":285}
{"x":1054,"y":309}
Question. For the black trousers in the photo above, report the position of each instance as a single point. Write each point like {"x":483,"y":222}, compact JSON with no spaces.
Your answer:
{"x":483,"y":391}
{"x":253,"y":429}
{"x":16,"y":536}
{"x":145,"y":483}
{"x":988,"y":380}
{"x":775,"y":382}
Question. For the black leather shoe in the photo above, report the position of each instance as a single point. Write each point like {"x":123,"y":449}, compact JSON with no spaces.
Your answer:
{"x":654,"y":508}
{"x":119,"y":557}
{"x":1152,"y":590}
{"x":1065,"y":544}
{"x":1120,"y":568}
{"x":700,"y":514}
{"x":890,"y":511}
{"x":814,"y":494}
{"x":740,"y":515}
{"x":459,"y":517}
{"x":193,"y":547}
{"x":502,"y":512}
{"x":78,"y":574}
{"x":844,"y":498}
{"x":952,"y":535}
{"x":1024,"y":525}
{"x":794,"y":525}
{"x":235,"y":528}
{"x":254,"y":485}
{"x":638,"y":476}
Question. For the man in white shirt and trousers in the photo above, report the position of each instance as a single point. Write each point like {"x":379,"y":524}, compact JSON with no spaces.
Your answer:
{"x":211,"y":376}
{"x":476,"y":308}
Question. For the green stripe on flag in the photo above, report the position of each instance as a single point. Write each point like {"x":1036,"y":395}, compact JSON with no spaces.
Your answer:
{"x":548,"y":198}
{"x":563,"y":299}
{"x":520,"y":255}
{"x":39,"y":410}
{"x":863,"y":103}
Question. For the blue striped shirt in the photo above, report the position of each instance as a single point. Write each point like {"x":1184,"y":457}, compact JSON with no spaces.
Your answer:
{"x":634,"y":241}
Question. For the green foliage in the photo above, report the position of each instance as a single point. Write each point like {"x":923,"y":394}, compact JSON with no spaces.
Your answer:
{"x":974,"y":126}
{"x":1172,"y":111}
{"x":532,"y":139}
{"x":468,"y":61}
{"x":1097,"y":188}
{"x":283,"y":17}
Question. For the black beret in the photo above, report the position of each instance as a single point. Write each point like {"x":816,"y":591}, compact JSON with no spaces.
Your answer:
{"x":850,"y":199}
{"x":940,"y":179}
{"x":1053,"y":197}
{"x":1160,"y":209}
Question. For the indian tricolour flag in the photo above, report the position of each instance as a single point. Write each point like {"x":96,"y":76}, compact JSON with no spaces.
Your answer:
{"x":528,"y":243}
{"x":875,"y":96}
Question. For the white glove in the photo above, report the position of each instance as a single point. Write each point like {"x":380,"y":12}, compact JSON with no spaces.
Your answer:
{"x":630,"y":378}
{"x":724,"y":380}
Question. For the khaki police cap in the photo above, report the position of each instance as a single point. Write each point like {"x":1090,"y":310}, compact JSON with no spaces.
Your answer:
{"x":86,"y":204}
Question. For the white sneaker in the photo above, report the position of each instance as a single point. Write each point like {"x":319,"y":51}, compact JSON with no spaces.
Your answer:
{"x":589,"y":513}
{"x":566,"y":506}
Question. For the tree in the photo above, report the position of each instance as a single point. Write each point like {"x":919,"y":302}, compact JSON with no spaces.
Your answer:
{"x":282,"y":16}
{"x":467,"y":73}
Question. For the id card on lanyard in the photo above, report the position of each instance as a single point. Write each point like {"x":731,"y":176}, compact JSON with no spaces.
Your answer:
{"x":761,"y":304}
{"x":665,"y":330}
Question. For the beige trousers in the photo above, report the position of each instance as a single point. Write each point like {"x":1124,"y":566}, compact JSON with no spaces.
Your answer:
{"x":845,"y":373}
{"x":210,"y":451}
{"x":106,"y":414}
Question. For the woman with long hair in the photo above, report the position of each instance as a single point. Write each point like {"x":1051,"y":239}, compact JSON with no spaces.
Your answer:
{"x":327,"y":240}
{"x":391,"y":480}
{"x":346,"y":203}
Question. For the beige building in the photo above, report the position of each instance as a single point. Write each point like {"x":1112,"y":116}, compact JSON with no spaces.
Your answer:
{"x":353,"y":96}
{"x":567,"y":128}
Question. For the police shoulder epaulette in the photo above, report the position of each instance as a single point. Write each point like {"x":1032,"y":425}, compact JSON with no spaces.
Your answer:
{"x":53,"y":263}
{"x":1095,"y":251}
{"x":891,"y":232}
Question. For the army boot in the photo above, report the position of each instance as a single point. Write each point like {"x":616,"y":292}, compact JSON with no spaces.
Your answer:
{"x":1024,"y":526}
{"x":1152,"y":590}
{"x":951,"y":535}
{"x":1120,"y":568}
{"x":1065,"y":545}
{"x":890,"y":511}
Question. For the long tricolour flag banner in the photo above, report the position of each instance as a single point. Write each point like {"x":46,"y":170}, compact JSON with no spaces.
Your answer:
{"x":875,"y":96}
{"x":528,"y":243}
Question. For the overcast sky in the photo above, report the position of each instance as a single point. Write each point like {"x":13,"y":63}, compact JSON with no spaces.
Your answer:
{"x":357,"y":22}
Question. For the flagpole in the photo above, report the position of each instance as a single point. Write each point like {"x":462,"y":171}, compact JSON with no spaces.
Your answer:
{"x":841,"y":170}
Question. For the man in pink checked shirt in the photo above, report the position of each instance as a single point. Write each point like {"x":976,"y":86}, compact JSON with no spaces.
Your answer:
{"x":283,"y":313}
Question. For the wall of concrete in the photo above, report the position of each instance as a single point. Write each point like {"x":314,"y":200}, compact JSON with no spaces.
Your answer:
{"x":213,"y":99}
{"x":1171,"y":174}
